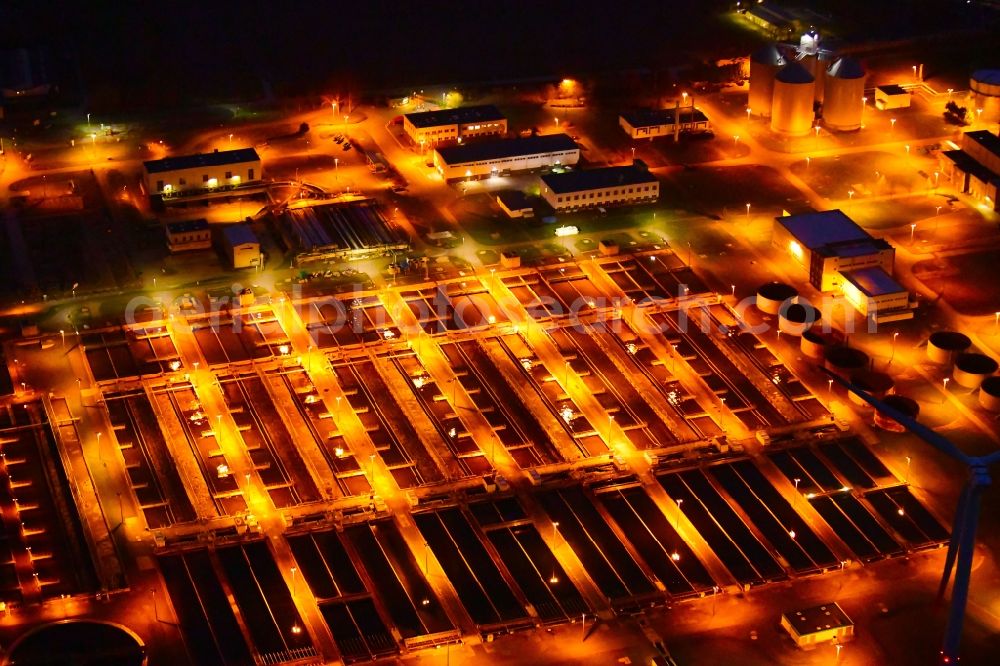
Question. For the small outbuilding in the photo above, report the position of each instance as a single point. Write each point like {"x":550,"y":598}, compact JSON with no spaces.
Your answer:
{"x":891,"y":96}
{"x":242,"y":246}
{"x":515,"y":204}
{"x":827,"y":623}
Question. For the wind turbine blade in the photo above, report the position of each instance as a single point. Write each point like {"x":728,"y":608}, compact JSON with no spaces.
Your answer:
{"x":960,"y":592}
{"x":920,"y":430}
{"x":956,"y":536}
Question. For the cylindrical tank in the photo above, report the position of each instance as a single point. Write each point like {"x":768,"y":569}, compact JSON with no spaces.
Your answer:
{"x":989,"y":394}
{"x":875,"y":384}
{"x":796,"y":318}
{"x":792,"y":104}
{"x":944,"y":345}
{"x":845,"y":89}
{"x":984,"y":91}
{"x":765,"y":63}
{"x":908,"y":406}
{"x":816,"y":65}
{"x":770,"y":296}
{"x":845,"y":361}
{"x":971,"y":369}
{"x":813,"y":344}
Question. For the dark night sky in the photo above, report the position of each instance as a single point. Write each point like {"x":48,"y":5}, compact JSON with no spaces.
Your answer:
{"x":153,"y":52}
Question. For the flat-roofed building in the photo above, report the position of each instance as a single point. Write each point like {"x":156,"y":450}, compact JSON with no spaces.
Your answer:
{"x":349,"y":231}
{"x":433,"y":127}
{"x":202,"y":173}
{"x":188,"y":235}
{"x":607,"y":186}
{"x":241,"y":245}
{"x":828,"y":243}
{"x":653,"y":123}
{"x":875,"y":294}
{"x":975,"y":167}
{"x":491,"y":158}
{"x":515,"y":203}
{"x":891,"y":96}
{"x":827,"y":623}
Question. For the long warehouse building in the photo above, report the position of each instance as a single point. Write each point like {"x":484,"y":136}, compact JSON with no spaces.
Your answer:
{"x":431,"y":127}
{"x":492,"y":158}
{"x":202,"y":173}
{"x":607,"y":186}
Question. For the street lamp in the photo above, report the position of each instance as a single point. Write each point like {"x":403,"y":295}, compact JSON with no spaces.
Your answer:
{"x":892,"y":123}
{"x":906,"y":479}
{"x":748,"y":114}
{"x":677,"y":516}
{"x":913,"y":228}
{"x":748,"y":211}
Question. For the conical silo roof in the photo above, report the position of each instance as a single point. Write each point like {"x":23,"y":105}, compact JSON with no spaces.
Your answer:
{"x":846,"y":68}
{"x":768,"y":55}
{"x":794,"y":73}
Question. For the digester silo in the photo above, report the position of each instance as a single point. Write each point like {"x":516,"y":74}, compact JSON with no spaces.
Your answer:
{"x":843,"y":105}
{"x":765,"y":63}
{"x":792,"y":103}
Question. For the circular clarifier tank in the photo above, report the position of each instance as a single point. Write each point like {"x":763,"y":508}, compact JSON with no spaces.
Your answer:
{"x":814,"y":344}
{"x":78,"y":642}
{"x":971,"y":369}
{"x":989,"y":394}
{"x":876,"y":384}
{"x":770,"y":296}
{"x":944,"y":345}
{"x":902,"y":404}
{"x":796,"y":318}
{"x":845,"y":361}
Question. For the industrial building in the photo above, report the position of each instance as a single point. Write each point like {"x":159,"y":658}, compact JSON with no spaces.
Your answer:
{"x":202,"y":173}
{"x":843,"y":102}
{"x":433,"y":127}
{"x":350,"y":231}
{"x":974,"y":168}
{"x":792,"y":103}
{"x":607,"y":186}
{"x":984,"y":93}
{"x":188,"y":235}
{"x":491,"y":158}
{"x":515,"y":204}
{"x":241,"y":246}
{"x":891,"y":96}
{"x":874,"y":293}
{"x":827,"y":623}
{"x":828,"y":243}
{"x":765,"y":63}
{"x":652,"y":123}
{"x":779,"y":22}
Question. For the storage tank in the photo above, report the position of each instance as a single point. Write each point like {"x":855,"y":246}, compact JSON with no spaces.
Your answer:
{"x":972,"y":369}
{"x":843,"y":107}
{"x":814,"y":60}
{"x":943,"y":346}
{"x":845,"y":361}
{"x":876,"y":384}
{"x":765,"y":63}
{"x":770,"y":296}
{"x":984,"y":91}
{"x":814,"y":344}
{"x":796,"y":318}
{"x":792,"y":104}
{"x":989,"y":394}
{"x":907,"y":406}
